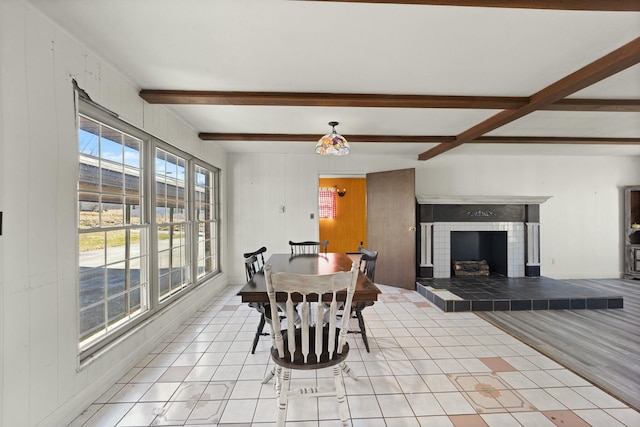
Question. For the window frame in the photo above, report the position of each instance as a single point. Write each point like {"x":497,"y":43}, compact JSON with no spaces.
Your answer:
{"x":187,"y":223}
{"x":327,"y":203}
{"x":149,"y":145}
{"x":215,"y":220}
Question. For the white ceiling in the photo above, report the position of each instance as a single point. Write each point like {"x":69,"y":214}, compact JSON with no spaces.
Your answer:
{"x":333,"y":47}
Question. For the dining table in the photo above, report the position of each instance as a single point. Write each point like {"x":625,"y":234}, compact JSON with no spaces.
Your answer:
{"x":255,"y":290}
{"x":366,"y":293}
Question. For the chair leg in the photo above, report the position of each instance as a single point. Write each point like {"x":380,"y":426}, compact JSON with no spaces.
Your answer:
{"x":277,"y":379}
{"x":282,"y":390}
{"x":269,"y":375}
{"x":347,"y":370}
{"x":258,"y":333}
{"x":342,"y":401}
{"x":363,"y":329}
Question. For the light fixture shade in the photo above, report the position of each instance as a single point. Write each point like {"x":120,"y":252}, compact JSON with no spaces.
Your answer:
{"x":333,"y":143}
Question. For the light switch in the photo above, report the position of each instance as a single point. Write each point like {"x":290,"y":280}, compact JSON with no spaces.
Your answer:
{"x":311,"y":216}
{"x":281,"y":209}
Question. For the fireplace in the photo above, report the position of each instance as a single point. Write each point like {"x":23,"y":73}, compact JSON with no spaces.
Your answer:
{"x":503,"y":230}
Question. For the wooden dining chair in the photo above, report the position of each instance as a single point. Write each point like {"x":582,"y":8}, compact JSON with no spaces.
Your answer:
{"x":313,"y":345}
{"x":309,"y":247}
{"x":254,"y":263}
{"x":368,"y":260}
{"x":367,"y":265}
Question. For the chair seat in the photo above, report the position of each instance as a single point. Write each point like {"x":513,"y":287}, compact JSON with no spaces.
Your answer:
{"x":312,"y":363}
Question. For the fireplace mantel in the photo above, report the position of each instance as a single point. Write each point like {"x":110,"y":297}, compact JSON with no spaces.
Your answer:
{"x":482,"y":200}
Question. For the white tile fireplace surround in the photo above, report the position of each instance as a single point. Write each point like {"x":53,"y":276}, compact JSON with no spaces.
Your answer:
{"x":442,"y":244}
{"x":523,"y":238}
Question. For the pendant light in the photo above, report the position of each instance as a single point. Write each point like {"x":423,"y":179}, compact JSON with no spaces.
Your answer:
{"x":333,"y":143}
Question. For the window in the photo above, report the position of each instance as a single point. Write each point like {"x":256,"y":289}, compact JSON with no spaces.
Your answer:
{"x":148,"y":226}
{"x":171,"y":223}
{"x":206,"y":218}
{"x":113,"y":266}
{"x":327,"y":202}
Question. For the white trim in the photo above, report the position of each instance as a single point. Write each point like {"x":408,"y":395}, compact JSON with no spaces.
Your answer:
{"x":533,"y":243}
{"x":426,"y":254}
{"x":482,"y":200}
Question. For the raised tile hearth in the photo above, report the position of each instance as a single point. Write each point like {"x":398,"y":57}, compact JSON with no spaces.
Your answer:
{"x":498,"y":293}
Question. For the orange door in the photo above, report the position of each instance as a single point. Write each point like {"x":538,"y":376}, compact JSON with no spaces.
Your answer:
{"x":348,"y":229}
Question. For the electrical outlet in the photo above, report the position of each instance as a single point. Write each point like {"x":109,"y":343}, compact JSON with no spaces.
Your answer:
{"x":281,"y":209}
{"x":311,"y":216}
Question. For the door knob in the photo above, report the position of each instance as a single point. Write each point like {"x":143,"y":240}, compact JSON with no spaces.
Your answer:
{"x":412,"y":228}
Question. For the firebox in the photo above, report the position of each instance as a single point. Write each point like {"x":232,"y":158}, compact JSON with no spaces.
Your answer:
{"x":490,"y":246}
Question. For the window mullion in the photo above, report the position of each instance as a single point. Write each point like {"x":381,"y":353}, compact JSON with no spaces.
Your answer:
{"x":150,"y":187}
{"x":127,"y":270}
{"x":192,"y":228}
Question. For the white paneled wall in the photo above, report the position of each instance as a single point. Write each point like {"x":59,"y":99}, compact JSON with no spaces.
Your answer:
{"x":40,"y":380}
{"x":261,"y":183}
{"x":2,"y":207}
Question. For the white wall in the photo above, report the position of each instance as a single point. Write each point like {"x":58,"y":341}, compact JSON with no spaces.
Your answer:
{"x":581,"y":234}
{"x":40,"y":383}
{"x":262,"y":183}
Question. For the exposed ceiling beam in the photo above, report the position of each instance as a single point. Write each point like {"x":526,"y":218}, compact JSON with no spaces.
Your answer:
{"x":576,"y":104}
{"x":283,"y":137}
{"x":610,"y":64}
{"x":314,"y":137}
{"x":317,"y":99}
{"x":554,"y":140}
{"x":593,"y":5}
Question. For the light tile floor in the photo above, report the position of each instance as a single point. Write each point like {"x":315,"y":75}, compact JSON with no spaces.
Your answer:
{"x":425,"y":368}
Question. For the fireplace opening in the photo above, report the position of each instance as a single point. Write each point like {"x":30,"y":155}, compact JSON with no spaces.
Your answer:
{"x":489,"y":246}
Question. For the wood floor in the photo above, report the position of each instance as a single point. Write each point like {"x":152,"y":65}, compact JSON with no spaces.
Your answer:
{"x":602,"y":346}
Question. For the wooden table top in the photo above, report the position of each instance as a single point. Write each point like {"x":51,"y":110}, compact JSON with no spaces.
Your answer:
{"x":256,"y":289}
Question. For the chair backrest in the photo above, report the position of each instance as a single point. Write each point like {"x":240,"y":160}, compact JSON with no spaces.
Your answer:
{"x":322,"y":288}
{"x":254,"y":262}
{"x":368,"y":262}
{"x":308,"y":247}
